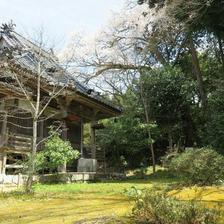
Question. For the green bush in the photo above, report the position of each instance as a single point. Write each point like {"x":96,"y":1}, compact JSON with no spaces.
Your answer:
{"x":56,"y":152}
{"x":158,"y":208}
{"x":198,"y":166}
{"x":166,"y":159}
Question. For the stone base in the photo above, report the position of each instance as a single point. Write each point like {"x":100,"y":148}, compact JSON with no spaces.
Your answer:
{"x":66,"y":178}
{"x":62,"y":168}
{"x":87,"y":165}
{"x":18,"y":180}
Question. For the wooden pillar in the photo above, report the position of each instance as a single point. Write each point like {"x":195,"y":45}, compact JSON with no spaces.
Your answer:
{"x":62,"y":168}
{"x":3,"y":158}
{"x":81,"y":143}
{"x":1,"y":163}
{"x":93,"y":139}
{"x":3,"y":131}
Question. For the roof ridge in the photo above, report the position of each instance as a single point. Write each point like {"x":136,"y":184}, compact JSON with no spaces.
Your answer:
{"x":32,"y":43}
{"x":14,"y":39}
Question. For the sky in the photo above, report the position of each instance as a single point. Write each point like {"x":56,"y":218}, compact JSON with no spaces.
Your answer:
{"x":58,"y":18}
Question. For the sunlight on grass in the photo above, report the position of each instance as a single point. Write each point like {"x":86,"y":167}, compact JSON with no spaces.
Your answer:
{"x":212,"y":197}
{"x":207,"y":194}
{"x":108,"y":188}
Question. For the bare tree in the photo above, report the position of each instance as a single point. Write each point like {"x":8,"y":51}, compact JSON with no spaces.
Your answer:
{"x":38,"y":88}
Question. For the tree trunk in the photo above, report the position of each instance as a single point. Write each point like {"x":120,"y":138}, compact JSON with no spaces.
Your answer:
{"x":188,"y":127}
{"x":170,"y":140}
{"x":150,"y":139}
{"x":198,"y":73}
{"x":146,"y":110}
{"x":221,"y":50}
{"x":32,"y":159}
{"x":152,"y":152}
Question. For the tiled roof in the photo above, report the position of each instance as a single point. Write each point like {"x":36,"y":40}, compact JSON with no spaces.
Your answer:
{"x":26,"y":56}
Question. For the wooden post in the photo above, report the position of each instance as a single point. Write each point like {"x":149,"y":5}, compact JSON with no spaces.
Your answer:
{"x":3,"y":132}
{"x":93,"y":139}
{"x":62,"y":168}
{"x":1,"y":163}
{"x":81,"y":143}
{"x":3,"y":158}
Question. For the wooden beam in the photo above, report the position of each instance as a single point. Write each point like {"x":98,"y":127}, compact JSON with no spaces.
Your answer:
{"x":93,"y":139}
{"x":14,"y":166}
{"x":1,"y":163}
{"x":82,"y":139}
{"x":94,"y":104}
{"x":7,"y":149}
{"x":3,"y":158}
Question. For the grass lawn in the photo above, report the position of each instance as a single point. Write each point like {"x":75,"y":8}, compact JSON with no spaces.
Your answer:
{"x":67,"y":203}
{"x":82,"y":201}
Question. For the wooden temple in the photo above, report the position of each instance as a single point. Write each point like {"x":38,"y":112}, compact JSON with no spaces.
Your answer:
{"x":75,"y":106}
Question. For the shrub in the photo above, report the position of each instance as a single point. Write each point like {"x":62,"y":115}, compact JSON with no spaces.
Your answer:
{"x":141,"y":172}
{"x":56,"y":152}
{"x":166,"y":159}
{"x":158,"y":208}
{"x":198,"y":166}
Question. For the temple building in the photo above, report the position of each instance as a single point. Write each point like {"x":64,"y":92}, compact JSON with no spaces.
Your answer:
{"x":73,"y":106}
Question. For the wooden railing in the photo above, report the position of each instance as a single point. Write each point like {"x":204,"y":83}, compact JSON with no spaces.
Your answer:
{"x":19,"y":142}
{"x":15,"y":141}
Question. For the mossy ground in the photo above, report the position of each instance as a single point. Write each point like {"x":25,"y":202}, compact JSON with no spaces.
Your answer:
{"x":67,"y":203}
{"x":87,"y":201}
